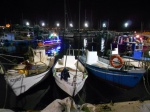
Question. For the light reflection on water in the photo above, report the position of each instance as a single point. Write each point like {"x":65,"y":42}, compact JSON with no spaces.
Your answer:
{"x":54,"y":50}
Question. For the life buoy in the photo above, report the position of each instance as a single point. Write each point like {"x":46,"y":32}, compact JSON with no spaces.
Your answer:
{"x":119,"y":63}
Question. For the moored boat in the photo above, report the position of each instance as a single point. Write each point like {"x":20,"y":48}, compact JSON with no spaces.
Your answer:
{"x":70,"y":75}
{"x":119,"y":74}
{"x":29,"y":73}
{"x":110,"y":66}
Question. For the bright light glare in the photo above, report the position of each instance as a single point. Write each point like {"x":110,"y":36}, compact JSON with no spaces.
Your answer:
{"x":53,"y":34}
{"x":86,"y":24}
{"x":137,"y":36}
{"x":126,"y":25}
{"x":71,"y":25}
{"x":43,"y":24}
{"x":104,"y":25}
{"x":57,"y":24}
{"x":27,"y":23}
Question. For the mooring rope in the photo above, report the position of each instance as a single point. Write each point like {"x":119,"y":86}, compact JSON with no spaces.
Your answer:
{"x":146,"y":64}
{"x":145,"y":86}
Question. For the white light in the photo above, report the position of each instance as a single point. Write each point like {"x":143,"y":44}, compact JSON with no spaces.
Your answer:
{"x":43,"y":24}
{"x":71,"y":25}
{"x":104,"y":25}
{"x":86,"y":24}
{"x":27,"y":23}
{"x":137,"y":36}
{"x":57,"y":25}
{"x":126,"y":25}
{"x":28,"y":35}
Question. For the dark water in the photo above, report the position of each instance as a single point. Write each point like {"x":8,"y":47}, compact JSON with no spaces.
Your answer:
{"x":94,"y":91}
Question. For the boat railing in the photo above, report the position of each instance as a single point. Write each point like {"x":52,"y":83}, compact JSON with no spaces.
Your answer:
{"x":74,"y":51}
{"x":11,"y":66}
{"x":10,"y":60}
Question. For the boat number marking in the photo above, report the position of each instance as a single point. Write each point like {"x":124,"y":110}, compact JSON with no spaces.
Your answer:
{"x":15,"y":80}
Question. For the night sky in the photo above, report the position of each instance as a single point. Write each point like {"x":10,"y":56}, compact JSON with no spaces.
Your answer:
{"x":94,"y":11}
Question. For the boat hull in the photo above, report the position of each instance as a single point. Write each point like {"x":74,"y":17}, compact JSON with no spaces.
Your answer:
{"x":127,"y":79}
{"x":21,"y":84}
{"x":69,"y":88}
{"x":73,"y":80}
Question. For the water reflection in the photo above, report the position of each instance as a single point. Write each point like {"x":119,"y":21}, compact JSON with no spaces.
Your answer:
{"x":53,"y":51}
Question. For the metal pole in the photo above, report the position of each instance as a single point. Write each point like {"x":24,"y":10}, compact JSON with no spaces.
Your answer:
{"x":79,"y":15}
{"x":65,"y":14}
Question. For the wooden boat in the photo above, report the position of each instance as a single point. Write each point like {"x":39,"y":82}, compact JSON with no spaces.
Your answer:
{"x":70,"y":75}
{"x":29,"y":73}
{"x":112,"y":70}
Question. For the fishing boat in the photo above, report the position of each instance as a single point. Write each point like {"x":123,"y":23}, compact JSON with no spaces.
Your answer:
{"x":70,"y":75}
{"x":113,"y":69}
{"x":133,"y":49}
{"x":28,"y":73}
{"x":48,"y":43}
{"x":111,"y":66}
{"x":52,"y":40}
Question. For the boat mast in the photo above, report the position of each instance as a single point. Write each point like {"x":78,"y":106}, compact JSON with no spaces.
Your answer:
{"x":79,"y":15}
{"x":65,"y":15}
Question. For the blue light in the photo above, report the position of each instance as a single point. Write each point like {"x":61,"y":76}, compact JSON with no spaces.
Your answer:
{"x":53,"y":50}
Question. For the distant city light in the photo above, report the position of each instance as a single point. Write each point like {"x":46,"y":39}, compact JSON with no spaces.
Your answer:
{"x":7,"y":25}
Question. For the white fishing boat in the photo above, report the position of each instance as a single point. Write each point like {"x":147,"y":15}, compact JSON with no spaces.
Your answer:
{"x":21,"y":77}
{"x":70,"y":75}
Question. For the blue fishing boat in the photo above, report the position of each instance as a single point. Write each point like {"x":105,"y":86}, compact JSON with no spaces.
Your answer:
{"x":121,"y":74}
{"x":133,"y":48}
{"x":110,"y":66}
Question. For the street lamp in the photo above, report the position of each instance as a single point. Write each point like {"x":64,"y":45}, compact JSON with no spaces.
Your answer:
{"x":57,"y":24}
{"x":104,"y":25}
{"x":126,"y":24}
{"x":86,"y":24}
{"x":43,"y":24}
{"x":27,"y":23}
{"x":71,"y":25}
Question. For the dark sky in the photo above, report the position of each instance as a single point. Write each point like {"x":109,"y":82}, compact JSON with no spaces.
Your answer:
{"x":94,"y":11}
